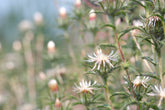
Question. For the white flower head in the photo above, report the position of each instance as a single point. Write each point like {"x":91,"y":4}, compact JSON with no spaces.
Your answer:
{"x":85,"y":87}
{"x":158,"y":91}
{"x":141,"y":81}
{"x":101,"y":59}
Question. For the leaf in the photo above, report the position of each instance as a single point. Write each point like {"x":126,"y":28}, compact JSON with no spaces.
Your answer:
{"x":76,"y":103}
{"x":150,"y":60}
{"x":108,"y":25}
{"x":128,"y":30}
{"x":150,"y":75}
{"x":103,"y":45}
{"x":139,"y":3}
{"x":127,"y":104}
{"x":120,"y":93}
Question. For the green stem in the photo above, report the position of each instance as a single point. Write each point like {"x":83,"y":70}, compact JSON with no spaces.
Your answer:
{"x":107,"y":96}
{"x":160,"y":69}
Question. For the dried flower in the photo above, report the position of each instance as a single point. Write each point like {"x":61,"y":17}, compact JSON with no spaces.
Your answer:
{"x":101,"y":59}
{"x":158,"y":91}
{"x":38,"y":18}
{"x":155,"y":28}
{"x":58,"y":103}
{"x":78,"y":3}
{"x":53,"y":85}
{"x":153,"y":20}
{"x":85,"y":87}
{"x":62,"y":12}
{"x":51,"y":47}
{"x":138,"y":81}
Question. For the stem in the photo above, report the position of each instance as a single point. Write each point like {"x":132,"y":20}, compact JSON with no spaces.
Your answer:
{"x":138,"y":46}
{"x":123,"y":59}
{"x":107,"y":97}
{"x":30,"y":67}
{"x":160,"y":69}
{"x":71,"y":53}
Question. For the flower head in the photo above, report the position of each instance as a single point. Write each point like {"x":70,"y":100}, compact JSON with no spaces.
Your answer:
{"x":153,"y":20}
{"x":53,"y":85}
{"x":101,"y":59}
{"x":92,"y":15}
{"x":85,"y":87}
{"x":140,"y":81}
{"x":51,"y":47}
{"x":62,"y":12}
{"x":38,"y":18}
{"x":58,"y":103}
{"x":158,"y":91}
{"x":78,"y":3}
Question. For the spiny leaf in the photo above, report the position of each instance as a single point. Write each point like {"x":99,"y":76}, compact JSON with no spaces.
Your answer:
{"x":120,"y":93}
{"x":150,"y":60}
{"x":127,"y":104}
{"x":139,"y":3}
{"x":128,"y":30}
{"x":103,"y":45}
{"x":150,"y":75}
{"x":108,"y":25}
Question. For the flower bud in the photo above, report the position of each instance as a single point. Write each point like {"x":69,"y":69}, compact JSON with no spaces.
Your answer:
{"x":53,"y":85}
{"x":78,"y":3}
{"x":92,"y":15}
{"x":38,"y":18}
{"x":62,"y":12}
{"x":51,"y":47}
{"x":58,"y":103}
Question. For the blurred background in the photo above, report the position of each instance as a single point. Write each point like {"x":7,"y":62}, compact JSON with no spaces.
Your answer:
{"x":25,"y":66}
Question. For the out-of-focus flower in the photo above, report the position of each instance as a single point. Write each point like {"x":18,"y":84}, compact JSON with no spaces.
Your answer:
{"x":101,"y":59}
{"x":38,"y":18}
{"x":62,"y":12}
{"x":85,"y":87}
{"x":42,"y":76}
{"x":92,"y":15}
{"x":53,"y":85}
{"x":158,"y":91}
{"x":58,"y":103}
{"x":78,"y":3}
{"x":96,"y":1}
{"x":137,"y":23}
{"x":51,"y":47}
{"x":25,"y":25}
{"x":140,"y":81}
{"x":17,"y":46}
